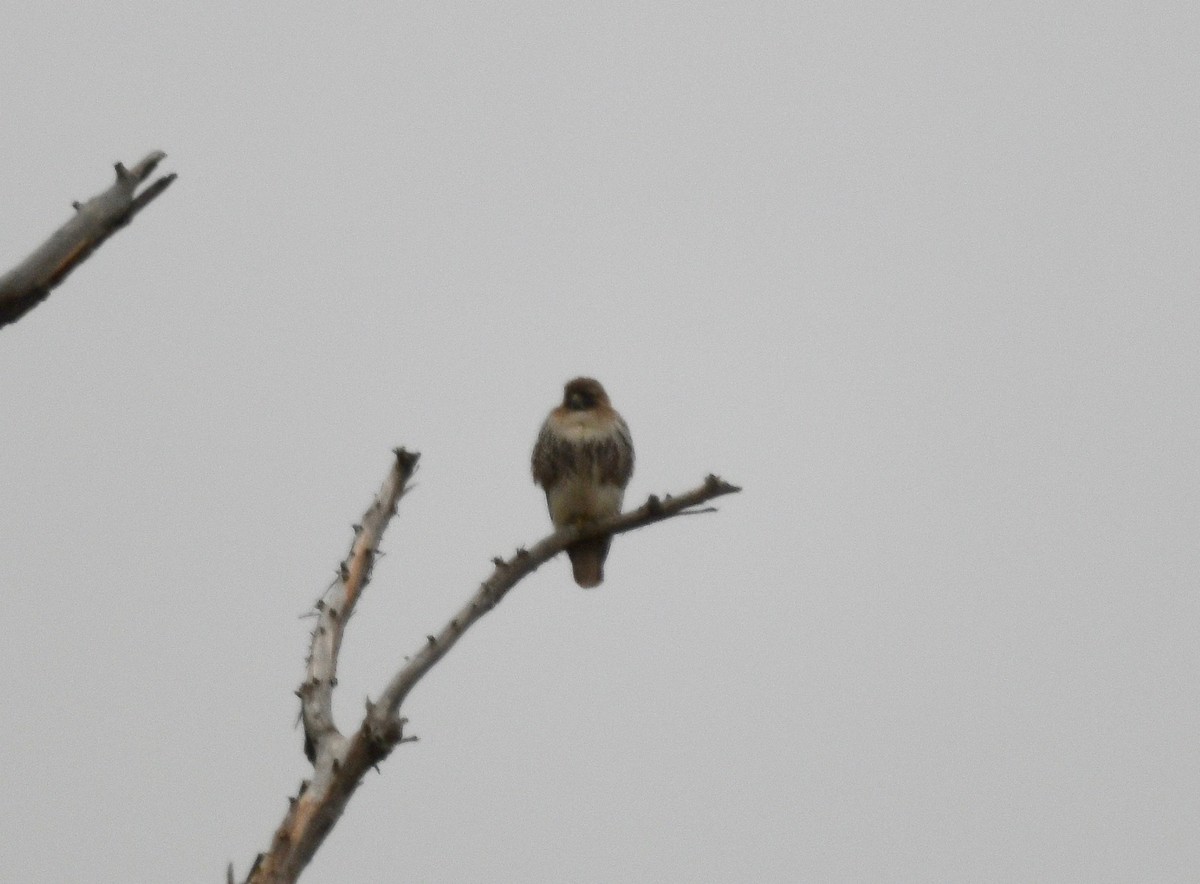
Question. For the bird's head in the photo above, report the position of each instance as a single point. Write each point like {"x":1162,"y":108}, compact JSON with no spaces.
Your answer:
{"x":583,"y":394}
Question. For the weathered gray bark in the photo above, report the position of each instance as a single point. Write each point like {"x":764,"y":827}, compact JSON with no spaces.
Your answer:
{"x":31,"y":281}
{"x":339,"y":763}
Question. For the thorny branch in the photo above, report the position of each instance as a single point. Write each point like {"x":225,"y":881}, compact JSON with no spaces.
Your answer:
{"x":322,"y":740}
{"x":340,"y":763}
{"x":31,"y":281}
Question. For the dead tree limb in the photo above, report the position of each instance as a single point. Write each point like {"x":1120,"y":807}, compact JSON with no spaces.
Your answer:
{"x":323,"y":742}
{"x":340,"y":763}
{"x":31,"y":281}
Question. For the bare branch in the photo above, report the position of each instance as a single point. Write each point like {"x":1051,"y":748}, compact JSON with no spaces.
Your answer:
{"x":508,"y":573}
{"x":322,"y":740}
{"x":341,"y":763}
{"x":31,"y":281}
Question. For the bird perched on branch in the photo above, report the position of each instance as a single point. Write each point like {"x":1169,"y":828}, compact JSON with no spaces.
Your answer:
{"x":583,"y":459}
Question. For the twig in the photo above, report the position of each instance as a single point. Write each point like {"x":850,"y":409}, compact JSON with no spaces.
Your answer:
{"x":31,"y":281}
{"x":341,"y":763}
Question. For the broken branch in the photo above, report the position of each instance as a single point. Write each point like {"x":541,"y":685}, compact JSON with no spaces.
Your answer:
{"x":31,"y":281}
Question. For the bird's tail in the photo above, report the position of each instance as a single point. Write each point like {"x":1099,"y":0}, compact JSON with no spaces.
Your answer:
{"x":587,"y":560}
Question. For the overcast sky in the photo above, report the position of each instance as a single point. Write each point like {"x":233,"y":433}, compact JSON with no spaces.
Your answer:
{"x":921,"y":277}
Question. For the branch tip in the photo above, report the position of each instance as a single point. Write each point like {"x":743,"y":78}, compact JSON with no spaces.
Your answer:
{"x":146,"y":167}
{"x":716,"y":485}
{"x":152,"y":191}
{"x":407,"y":460}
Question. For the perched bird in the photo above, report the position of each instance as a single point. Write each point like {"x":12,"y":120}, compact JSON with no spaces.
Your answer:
{"x":583,"y":459}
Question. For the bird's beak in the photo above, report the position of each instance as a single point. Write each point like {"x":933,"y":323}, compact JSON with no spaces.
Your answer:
{"x":575,"y":402}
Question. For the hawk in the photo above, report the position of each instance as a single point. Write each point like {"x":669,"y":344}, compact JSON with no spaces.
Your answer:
{"x":583,"y":459}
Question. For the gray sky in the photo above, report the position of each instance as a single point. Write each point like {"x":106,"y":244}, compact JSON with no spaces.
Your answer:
{"x":921,"y":277}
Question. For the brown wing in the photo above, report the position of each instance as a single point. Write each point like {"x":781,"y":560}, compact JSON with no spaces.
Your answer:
{"x":613,"y":456}
{"x":553,"y":457}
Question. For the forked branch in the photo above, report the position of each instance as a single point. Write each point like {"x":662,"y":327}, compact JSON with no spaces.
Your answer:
{"x":31,"y":281}
{"x":339,"y":763}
